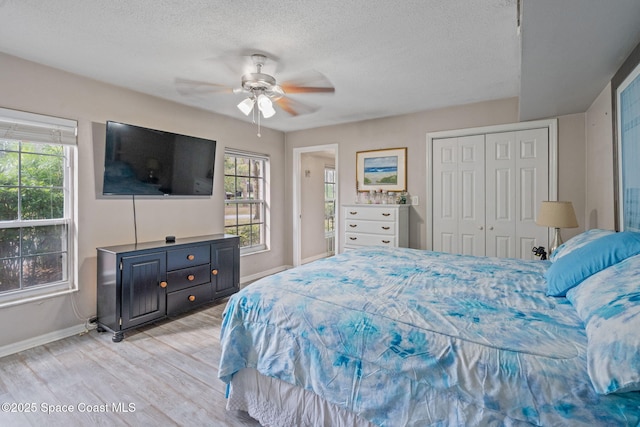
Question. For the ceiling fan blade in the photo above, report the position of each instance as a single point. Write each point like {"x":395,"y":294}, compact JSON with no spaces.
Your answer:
{"x":295,"y":108}
{"x":197,"y":88}
{"x":312,"y":82}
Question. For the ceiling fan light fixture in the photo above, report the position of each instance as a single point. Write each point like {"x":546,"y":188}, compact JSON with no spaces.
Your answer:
{"x":265,"y":106}
{"x":246,"y":106}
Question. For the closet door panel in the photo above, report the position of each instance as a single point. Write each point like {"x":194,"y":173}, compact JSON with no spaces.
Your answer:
{"x":471,"y":195}
{"x":445,"y":185}
{"x":532,"y":181}
{"x":501,"y":194}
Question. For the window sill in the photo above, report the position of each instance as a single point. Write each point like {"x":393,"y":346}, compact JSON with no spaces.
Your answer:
{"x":26,"y":297}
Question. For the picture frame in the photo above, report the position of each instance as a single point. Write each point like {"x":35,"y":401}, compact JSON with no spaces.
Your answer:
{"x":625,"y":97}
{"x":384,"y":170}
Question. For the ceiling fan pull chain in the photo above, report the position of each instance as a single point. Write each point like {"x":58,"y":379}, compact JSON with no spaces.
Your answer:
{"x":254,"y":110}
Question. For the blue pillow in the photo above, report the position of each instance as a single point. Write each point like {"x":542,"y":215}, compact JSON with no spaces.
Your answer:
{"x":573,"y":268}
{"x":577,"y":242}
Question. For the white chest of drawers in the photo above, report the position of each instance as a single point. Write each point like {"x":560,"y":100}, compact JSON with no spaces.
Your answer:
{"x":376,"y":225}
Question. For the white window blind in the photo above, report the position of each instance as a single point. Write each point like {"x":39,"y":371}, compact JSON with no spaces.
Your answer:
{"x":24,"y":126}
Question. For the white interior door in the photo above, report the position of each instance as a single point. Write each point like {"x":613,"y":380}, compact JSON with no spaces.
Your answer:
{"x":458,"y":189}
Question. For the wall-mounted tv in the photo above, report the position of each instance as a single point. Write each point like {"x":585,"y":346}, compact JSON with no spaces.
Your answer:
{"x":142,"y":161}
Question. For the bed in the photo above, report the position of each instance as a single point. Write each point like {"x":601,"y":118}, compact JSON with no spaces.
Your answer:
{"x":406,"y":337}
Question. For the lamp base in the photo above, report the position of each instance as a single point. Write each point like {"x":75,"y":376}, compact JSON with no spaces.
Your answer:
{"x":557,"y":241}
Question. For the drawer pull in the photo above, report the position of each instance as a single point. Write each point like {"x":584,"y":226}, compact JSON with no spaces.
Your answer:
{"x":214,"y":272}
{"x":192,"y":298}
{"x":353,"y":238}
{"x":386,"y":228}
{"x":353,"y":212}
{"x":163,"y":284}
{"x":191,"y":277}
{"x":386,"y":214}
{"x":353,"y":225}
{"x":191,"y":257}
{"x":386,"y":241}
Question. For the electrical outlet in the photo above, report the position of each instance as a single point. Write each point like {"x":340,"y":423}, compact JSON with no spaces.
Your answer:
{"x":415,"y":201}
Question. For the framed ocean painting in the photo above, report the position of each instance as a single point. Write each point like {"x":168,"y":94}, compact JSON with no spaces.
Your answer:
{"x":384,"y":170}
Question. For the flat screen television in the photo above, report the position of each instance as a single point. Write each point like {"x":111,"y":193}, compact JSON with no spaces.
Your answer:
{"x":149,"y":162}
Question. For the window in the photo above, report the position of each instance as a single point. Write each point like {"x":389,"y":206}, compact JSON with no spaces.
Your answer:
{"x":36,"y":195}
{"x":330,"y":207}
{"x":245,"y":186}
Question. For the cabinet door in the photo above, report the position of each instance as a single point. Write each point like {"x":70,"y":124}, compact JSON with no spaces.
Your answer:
{"x":225,"y":268}
{"x":143,"y":297}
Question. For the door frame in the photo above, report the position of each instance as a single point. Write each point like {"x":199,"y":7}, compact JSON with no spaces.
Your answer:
{"x":297,"y":197}
{"x":551,"y":125}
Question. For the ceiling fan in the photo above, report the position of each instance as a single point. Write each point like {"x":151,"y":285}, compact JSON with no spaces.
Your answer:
{"x":263,"y":91}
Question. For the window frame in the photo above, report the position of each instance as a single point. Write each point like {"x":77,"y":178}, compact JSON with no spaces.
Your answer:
{"x":263,"y":202}
{"x":39,"y":129}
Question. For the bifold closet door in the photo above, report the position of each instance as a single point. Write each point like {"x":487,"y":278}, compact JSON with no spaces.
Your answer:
{"x":459,"y":195}
{"x":486,"y":192}
{"x":517,"y":181}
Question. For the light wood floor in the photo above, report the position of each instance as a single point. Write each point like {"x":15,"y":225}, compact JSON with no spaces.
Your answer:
{"x":164,"y":374}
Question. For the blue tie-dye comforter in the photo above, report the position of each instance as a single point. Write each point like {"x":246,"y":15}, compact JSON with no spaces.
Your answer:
{"x":405,"y":337}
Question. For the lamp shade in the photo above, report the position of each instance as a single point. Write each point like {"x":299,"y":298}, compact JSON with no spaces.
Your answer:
{"x":557,"y":215}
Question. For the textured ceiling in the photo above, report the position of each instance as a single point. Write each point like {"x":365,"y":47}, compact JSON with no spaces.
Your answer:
{"x":383,"y":57}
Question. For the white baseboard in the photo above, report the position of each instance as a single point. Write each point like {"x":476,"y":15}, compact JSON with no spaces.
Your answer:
{"x":314,"y":258}
{"x":79,"y":329}
{"x":254,"y":277}
{"x":41,"y":340}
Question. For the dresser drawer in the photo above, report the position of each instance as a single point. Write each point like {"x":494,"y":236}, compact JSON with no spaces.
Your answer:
{"x":186,"y":299}
{"x":357,"y":239}
{"x":373,"y":227}
{"x":183,"y":278}
{"x":374,"y":213}
{"x":181,"y":258}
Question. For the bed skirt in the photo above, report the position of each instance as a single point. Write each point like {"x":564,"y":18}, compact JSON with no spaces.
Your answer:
{"x":273,"y":402}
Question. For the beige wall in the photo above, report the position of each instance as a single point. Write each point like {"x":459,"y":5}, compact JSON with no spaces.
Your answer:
{"x":400,"y":131}
{"x":599,"y":209}
{"x":101,"y":222}
{"x":31,"y":87}
{"x":410,"y":131}
{"x":571,"y":167}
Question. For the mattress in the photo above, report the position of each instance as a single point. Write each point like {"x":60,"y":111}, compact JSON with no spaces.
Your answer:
{"x":403,"y":337}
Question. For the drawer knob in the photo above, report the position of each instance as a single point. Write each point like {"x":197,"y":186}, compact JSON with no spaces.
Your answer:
{"x":214,"y":272}
{"x":386,"y":241}
{"x":191,"y":277}
{"x":353,"y":238}
{"x":163,"y":284}
{"x":353,"y":225}
{"x":386,"y":228}
{"x":386,"y":214}
{"x":192,"y":298}
{"x":353,"y":212}
{"x":191,"y":257}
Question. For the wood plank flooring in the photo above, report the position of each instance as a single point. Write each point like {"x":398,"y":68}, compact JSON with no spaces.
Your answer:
{"x":165,"y":374}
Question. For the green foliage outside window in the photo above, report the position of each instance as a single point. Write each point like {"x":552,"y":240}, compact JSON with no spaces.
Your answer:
{"x":31,"y":189}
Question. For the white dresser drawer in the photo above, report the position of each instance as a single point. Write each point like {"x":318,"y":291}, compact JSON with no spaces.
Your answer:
{"x":372,"y":227}
{"x":374,"y":213}
{"x":357,"y":239}
{"x":375,"y":225}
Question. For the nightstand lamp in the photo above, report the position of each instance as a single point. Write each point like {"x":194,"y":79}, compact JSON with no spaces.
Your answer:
{"x":557,"y":215}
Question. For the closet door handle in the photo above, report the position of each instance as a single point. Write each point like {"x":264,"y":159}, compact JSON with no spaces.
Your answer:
{"x":491,"y":228}
{"x":480,"y":227}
